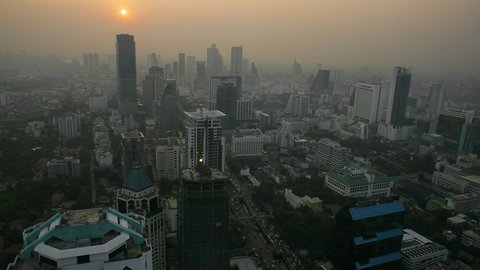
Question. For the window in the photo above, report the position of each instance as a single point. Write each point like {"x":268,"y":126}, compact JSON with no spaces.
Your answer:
{"x":83,"y":259}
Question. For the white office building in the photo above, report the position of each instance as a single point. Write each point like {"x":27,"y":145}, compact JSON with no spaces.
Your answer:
{"x":328,"y":154}
{"x":367,"y":102}
{"x":248,"y":143}
{"x":244,"y":110}
{"x":93,"y":239}
{"x":167,"y":160}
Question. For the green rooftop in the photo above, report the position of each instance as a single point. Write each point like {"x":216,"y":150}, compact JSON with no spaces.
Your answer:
{"x":344,"y":176}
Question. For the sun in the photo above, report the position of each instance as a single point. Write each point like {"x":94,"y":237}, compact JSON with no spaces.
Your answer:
{"x":123,"y":11}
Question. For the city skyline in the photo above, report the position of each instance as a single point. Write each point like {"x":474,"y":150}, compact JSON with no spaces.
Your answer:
{"x":435,"y":36}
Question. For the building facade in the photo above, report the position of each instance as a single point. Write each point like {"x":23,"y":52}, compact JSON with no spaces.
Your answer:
{"x":204,"y":142}
{"x":97,"y":239}
{"x":140,"y":199}
{"x":68,"y":166}
{"x":398,"y":98}
{"x":126,"y":74}
{"x":203,"y":220}
{"x":69,"y":125}
{"x":367,"y":102}
{"x":368,"y":235}
{"x":328,"y":154}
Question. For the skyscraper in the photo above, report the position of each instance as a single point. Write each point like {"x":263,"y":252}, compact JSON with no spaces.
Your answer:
{"x":175,"y":70}
{"x":203,"y":220}
{"x":469,"y":142}
{"x":169,"y":116}
{"x":298,"y":105}
{"x":190,"y":65}
{"x":201,"y":81}
{"x":296,"y":68}
{"x":321,"y":83}
{"x":69,"y":125}
{"x":436,"y":95}
{"x":398,"y":98}
{"x":236,"y":61}
{"x":226,"y":102}
{"x":367,"y":101}
{"x":204,"y":143}
{"x":181,"y":65}
{"x":126,"y":74}
{"x":133,"y":151}
{"x":214,"y":61}
{"x":152,"y":60}
{"x":152,"y":87}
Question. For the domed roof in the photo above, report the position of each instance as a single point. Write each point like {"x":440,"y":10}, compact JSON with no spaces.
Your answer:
{"x":137,"y":180}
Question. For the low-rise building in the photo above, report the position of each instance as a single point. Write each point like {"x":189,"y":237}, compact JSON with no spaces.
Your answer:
{"x":419,"y":252}
{"x":359,"y":182}
{"x":297,"y":202}
{"x":471,"y":239}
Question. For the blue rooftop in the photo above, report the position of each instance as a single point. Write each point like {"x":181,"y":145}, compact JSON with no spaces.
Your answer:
{"x":391,"y":257}
{"x":359,"y":213}
{"x":137,"y":180}
{"x":379,"y":236}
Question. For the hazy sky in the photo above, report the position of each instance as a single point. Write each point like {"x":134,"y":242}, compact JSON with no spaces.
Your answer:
{"x":426,"y":34}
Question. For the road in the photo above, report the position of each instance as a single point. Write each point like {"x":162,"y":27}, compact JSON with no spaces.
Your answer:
{"x":261,"y":235}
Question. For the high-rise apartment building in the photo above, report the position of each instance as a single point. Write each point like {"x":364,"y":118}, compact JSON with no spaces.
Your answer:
{"x":203,"y":220}
{"x":398,"y":98}
{"x":68,"y":166}
{"x":69,"y":125}
{"x":167,"y":159}
{"x":126,"y":74}
{"x":244,"y":110}
{"x":329,"y":154}
{"x":367,"y":102}
{"x":236,"y":61}
{"x":133,"y":151}
{"x":298,"y":105}
{"x":140,"y":199}
{"x":204,"y":142}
